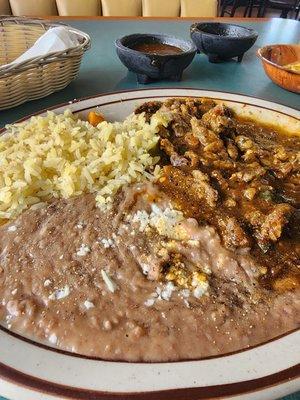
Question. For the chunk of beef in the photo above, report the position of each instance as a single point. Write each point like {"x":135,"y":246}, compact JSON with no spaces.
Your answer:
{"x":225,"y":165}
{"x":167,"y":147}
{"x":252,"y":171}
{"x":206,"y":136}
{"x":180,"y":126}
{"x":254,"y":217}
{"x":222,"y":182}
{"x":232,"y":151}
{"x":149,"y":109}
{"x":192,"y":188}
{"x":190,"y":158}
{"x":191,"y":140}
{"x":244,"y":143}
{"x":281,"y":169}
{"x":218,"y":118}
{"x":189,"y":106}
{"x":232,"y":233}
{"x":249,"y":156}
{"x":175,"y":159}
{"x":178,"y":161}
{"x":203,"y":184}
{"x":271,"y":228}
{"x":290,"y":191}
{"x":193,"y":158}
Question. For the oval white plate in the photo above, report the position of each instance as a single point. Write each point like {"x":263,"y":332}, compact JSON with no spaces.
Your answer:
{"x":32,"y":371}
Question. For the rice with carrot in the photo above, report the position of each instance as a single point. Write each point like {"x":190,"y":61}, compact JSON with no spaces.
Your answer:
{"x":62,"y":156}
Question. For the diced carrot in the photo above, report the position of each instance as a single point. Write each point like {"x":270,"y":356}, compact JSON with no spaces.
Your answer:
{"x":95,"y":118}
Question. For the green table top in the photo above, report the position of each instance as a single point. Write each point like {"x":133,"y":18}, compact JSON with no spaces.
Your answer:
{"x":101,"y":70}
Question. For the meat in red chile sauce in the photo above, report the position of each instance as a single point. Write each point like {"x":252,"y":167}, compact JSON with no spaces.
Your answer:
{"x":239,"y":176}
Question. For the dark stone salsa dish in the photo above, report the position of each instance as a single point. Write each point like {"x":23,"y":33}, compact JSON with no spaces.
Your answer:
{"x":155,"y":57}
{"x":221,"y":42}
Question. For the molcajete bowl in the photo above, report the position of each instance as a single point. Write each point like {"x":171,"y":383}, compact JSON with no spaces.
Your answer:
{"x":221,"y":42}
{"x":152,"y":66}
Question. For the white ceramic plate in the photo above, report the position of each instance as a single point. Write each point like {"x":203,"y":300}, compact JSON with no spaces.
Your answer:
{"x":33,"y":371}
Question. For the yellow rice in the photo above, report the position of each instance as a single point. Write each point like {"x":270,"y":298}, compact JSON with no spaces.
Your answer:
{"x":62,"y":156}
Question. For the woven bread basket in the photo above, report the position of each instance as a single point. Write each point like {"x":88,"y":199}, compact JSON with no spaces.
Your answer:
{"x":39,"y":76}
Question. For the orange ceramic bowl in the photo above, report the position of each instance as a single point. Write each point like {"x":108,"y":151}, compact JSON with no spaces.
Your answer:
{"x":274,"y":57}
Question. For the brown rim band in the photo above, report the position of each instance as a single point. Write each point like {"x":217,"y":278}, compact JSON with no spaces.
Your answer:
{"x":197,"y":393}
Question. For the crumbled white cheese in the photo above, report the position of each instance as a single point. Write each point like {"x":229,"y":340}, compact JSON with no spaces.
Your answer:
{"x":83,"y":250}
{"x":184,"y":293}
{"x":12,"y":228}
{"x":158,"y":293}
{"x":169,"y":214}
{"x":80,"y":225}
{"x":61,"y":257}
{"x":186,"y":303}
{"x":47,"y":282}
{"x":52,"y":338}
{"x":165,"y":221}
{"x":13,"y":292}
{"x":145,"y":268}
{"x":60,"y":293}
{"x":12,"y":308}
{"x":142,"y":217}
{"x":107,"y":325}
{"x":88,"y":304}
{"x":107,"y":243}
{"x":167,"y":291}
{"x":206,"y":269}
{"x":161,"y":293}
{"x":111,"y":286}
{"x":149,"y":302}
{"x":200,"y":289}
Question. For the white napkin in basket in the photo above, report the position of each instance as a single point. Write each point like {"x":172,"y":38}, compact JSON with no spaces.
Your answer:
{"x":54,"y":39}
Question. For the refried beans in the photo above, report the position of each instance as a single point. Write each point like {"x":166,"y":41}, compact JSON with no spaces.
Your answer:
{"x":178,"y":268}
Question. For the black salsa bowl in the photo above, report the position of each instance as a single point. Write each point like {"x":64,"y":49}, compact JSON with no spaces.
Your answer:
{"x":151,"y":67}
{"x":221,"y":42}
